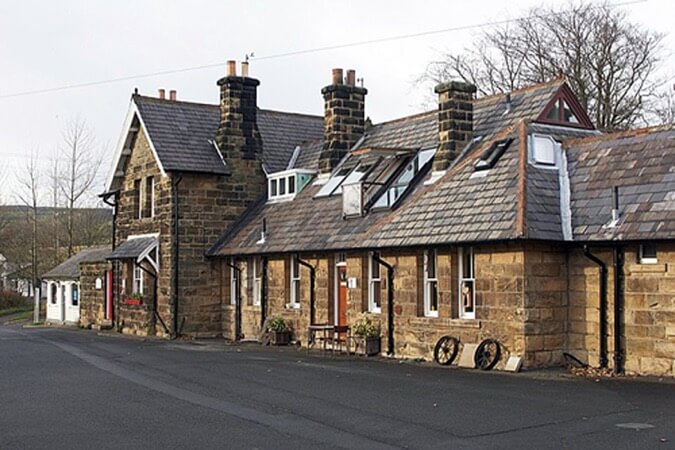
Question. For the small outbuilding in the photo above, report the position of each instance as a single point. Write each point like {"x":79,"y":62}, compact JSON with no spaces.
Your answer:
{"x":64,"y":285}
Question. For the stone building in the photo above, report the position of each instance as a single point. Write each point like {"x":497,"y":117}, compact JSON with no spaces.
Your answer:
{"x":507,"y":217}
{"x":75,"y":288}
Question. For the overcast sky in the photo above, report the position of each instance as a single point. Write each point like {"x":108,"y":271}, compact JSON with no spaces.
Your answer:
{"x":47,"y":44}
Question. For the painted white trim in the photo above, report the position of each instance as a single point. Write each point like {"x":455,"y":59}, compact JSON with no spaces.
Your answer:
{"x":372,"y":307}
{"x":119,"y":148}
{"x":460,"y":256}
{"x":565,"y":196}
{"x":428,"y":281}
{"x":294,"y":300}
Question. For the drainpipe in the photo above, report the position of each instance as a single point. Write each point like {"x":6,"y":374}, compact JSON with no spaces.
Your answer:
{"x":390,"y":303}
{"x":115,"y":264}
{"x":237,"y":303}
{"x":263,"y":295}
{"x":618,"y":260}
{"x":155,"y":313}
{"x":312,"y":294}
{"x":175,"y":254}
{"x":603,"y":305}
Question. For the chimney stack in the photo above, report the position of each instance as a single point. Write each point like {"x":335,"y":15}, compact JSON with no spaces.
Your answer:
{"x":237,"y":135}
{"x":161,"y":93}
{"x":344,"y":118}
{"x":172,"y":95}
{"x":455,"y":121}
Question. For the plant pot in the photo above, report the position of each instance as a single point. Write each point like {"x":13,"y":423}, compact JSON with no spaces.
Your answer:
{"x":133,"y":301}
{"x":280,"y":337}
{"x":371,"y":345}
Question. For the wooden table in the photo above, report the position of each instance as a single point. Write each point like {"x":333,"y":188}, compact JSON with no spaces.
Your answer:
{"x":325,"y":331}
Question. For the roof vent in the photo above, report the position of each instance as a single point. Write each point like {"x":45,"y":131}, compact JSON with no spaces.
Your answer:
{"x":263,"y":233}
{"x":615,"y":209}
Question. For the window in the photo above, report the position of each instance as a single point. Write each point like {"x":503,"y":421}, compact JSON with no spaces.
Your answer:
{"x":63,"y":293}
{"x":295,"y":283}
{"x":273,"y":188}
{"x":291,"y":184}
{"x":492,"y":155}
{"x":467,"y":282}
{"x":543,"y":151}
{"x":402,"y":181}
{"x":138,"y":199}
{"x":149,"y":197}
{"x":561,"y":112}
{"x":430,"y":284}
{"x":256,"y":276}
{"x":282,"y":186}
{"x":74,"y":294}
{"x":54,"y":293}
{"x":374,"y":285}
{"x":234,"y":284}
{"x":354,"y":176}
{"x":648,"y":254}
{"x":138,"y":280}
{"x":333,"y":182}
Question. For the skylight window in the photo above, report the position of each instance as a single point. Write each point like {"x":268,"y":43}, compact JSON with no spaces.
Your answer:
{"x":355,"y":176}
{"x":333,"y":182}
{"x":403,"y":180}
{"x":492,"y":154}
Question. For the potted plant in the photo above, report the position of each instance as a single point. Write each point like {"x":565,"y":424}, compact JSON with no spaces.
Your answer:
{"x":279,"y":331}
{"x":134,"y":299}
{"x":369,"y":335}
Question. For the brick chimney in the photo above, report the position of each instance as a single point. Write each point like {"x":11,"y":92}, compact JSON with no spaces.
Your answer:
{"x":455,"y":121}
{"x":237,"y":135}
{"x":344,"y":118}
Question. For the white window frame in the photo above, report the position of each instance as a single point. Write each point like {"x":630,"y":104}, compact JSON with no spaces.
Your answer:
{"x":470,"y":280}
{"x":374,"y":284}
{"x":74,"y":288}
{"x":141,"y":198}
{"x":256,"y":276}
{"x":234,"y":284}
{"x":295,"y":283}
{"x":430,"y":281}
{"x":137,"y":279}
{"x":648,"y":259}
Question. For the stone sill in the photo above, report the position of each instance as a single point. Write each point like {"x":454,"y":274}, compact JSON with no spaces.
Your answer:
{"x":648,"y":268}
{"x":454,"y":323}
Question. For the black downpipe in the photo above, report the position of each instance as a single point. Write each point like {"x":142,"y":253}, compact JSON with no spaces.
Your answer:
{"x":237,"y":303}
{"x":390,"y":303}
{"x":115,"y":264}
{"x":263,"y":295}
{"x":175,"y":250}
{"x":603,"y":305}
{"x":155,"y":313}
{"x":618,"y":260}
{"x":312,"y":285}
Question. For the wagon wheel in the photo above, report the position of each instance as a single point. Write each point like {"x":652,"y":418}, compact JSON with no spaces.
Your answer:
{"x":446,"y":350}
{"x":487,"y":354}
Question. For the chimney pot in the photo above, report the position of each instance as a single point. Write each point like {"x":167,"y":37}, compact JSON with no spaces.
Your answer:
{"x":161,"y":93}
{"x":244,"y":68}
{"x":351,"y":77}
{"x":231,"y":68}
{"x":337,"y":76}
{"x":172,"y":95}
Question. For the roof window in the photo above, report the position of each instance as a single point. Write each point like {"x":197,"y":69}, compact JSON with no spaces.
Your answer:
{"x":404,"y":179}
{"x":287,"y":184}
{"x":492,"y":154}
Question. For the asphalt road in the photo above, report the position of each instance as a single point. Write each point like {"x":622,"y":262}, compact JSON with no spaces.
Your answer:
{"x":74,"y":389}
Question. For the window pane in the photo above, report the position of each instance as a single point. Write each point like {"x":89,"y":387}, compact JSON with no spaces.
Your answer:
{"x":431,"y":264}
{"x":554,"y":113}
{"x":467,"y":296}
{"x":433,"y":296}
{"x":291,"y":184}
{"x":467,"y":263}
{"x":75,"y":295}
{"x":295,"y":267}
{"x":374,"y":269}
{"x":296,"y":291}
{"x":282,"y":186}
{"x":568,"y":115}
{"x":377,"y":294}
{"x":273,"y":188}
{"x":649,"y":251}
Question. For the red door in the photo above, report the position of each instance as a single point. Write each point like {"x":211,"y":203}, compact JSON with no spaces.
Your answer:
{"x":342,"y":295}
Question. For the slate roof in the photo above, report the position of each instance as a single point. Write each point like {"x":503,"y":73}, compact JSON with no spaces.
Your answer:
{"x":70,"y":268}
{"x":456,"y":208}
{"x":308,"y":158}
{"x":181,"y":131}
{"x":642,"y":164}
{"x":133,"y":247}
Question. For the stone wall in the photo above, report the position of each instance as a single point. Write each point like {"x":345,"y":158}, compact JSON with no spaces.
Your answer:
{"x":92,"y":300}
{"x":499,"y":298}
{"x":648,"y":317}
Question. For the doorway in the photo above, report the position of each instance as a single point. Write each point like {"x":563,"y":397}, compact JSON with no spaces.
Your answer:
{"x":340,"y":290}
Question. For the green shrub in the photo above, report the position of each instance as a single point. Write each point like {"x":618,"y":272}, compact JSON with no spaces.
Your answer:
{"x":278,"y":325}
{"x":365,"y":328}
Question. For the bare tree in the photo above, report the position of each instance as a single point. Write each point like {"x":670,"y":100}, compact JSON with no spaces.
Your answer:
{"x":28,"y":195}
{"x":4,"y":216}
{"x":610,"y":62}
{"x":81,"y":169}
{"x":55,"y":194}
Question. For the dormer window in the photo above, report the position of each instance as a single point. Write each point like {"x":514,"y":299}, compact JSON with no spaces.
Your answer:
{"x":404,"y":179}
{"x":543,"y":151}
{"x":285,"y":185}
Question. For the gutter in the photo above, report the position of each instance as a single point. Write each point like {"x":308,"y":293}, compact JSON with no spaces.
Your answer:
{"x":263,"y":295}
{"x":603,"y":305}
{"x":175,"y":250}
{"x":618,"y":262}
{"x":312,"y":285}
{"x":115,"y":265}
{"x":390,"y":303}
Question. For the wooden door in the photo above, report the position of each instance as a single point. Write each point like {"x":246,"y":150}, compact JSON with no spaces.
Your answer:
{"x":341,"y":295}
